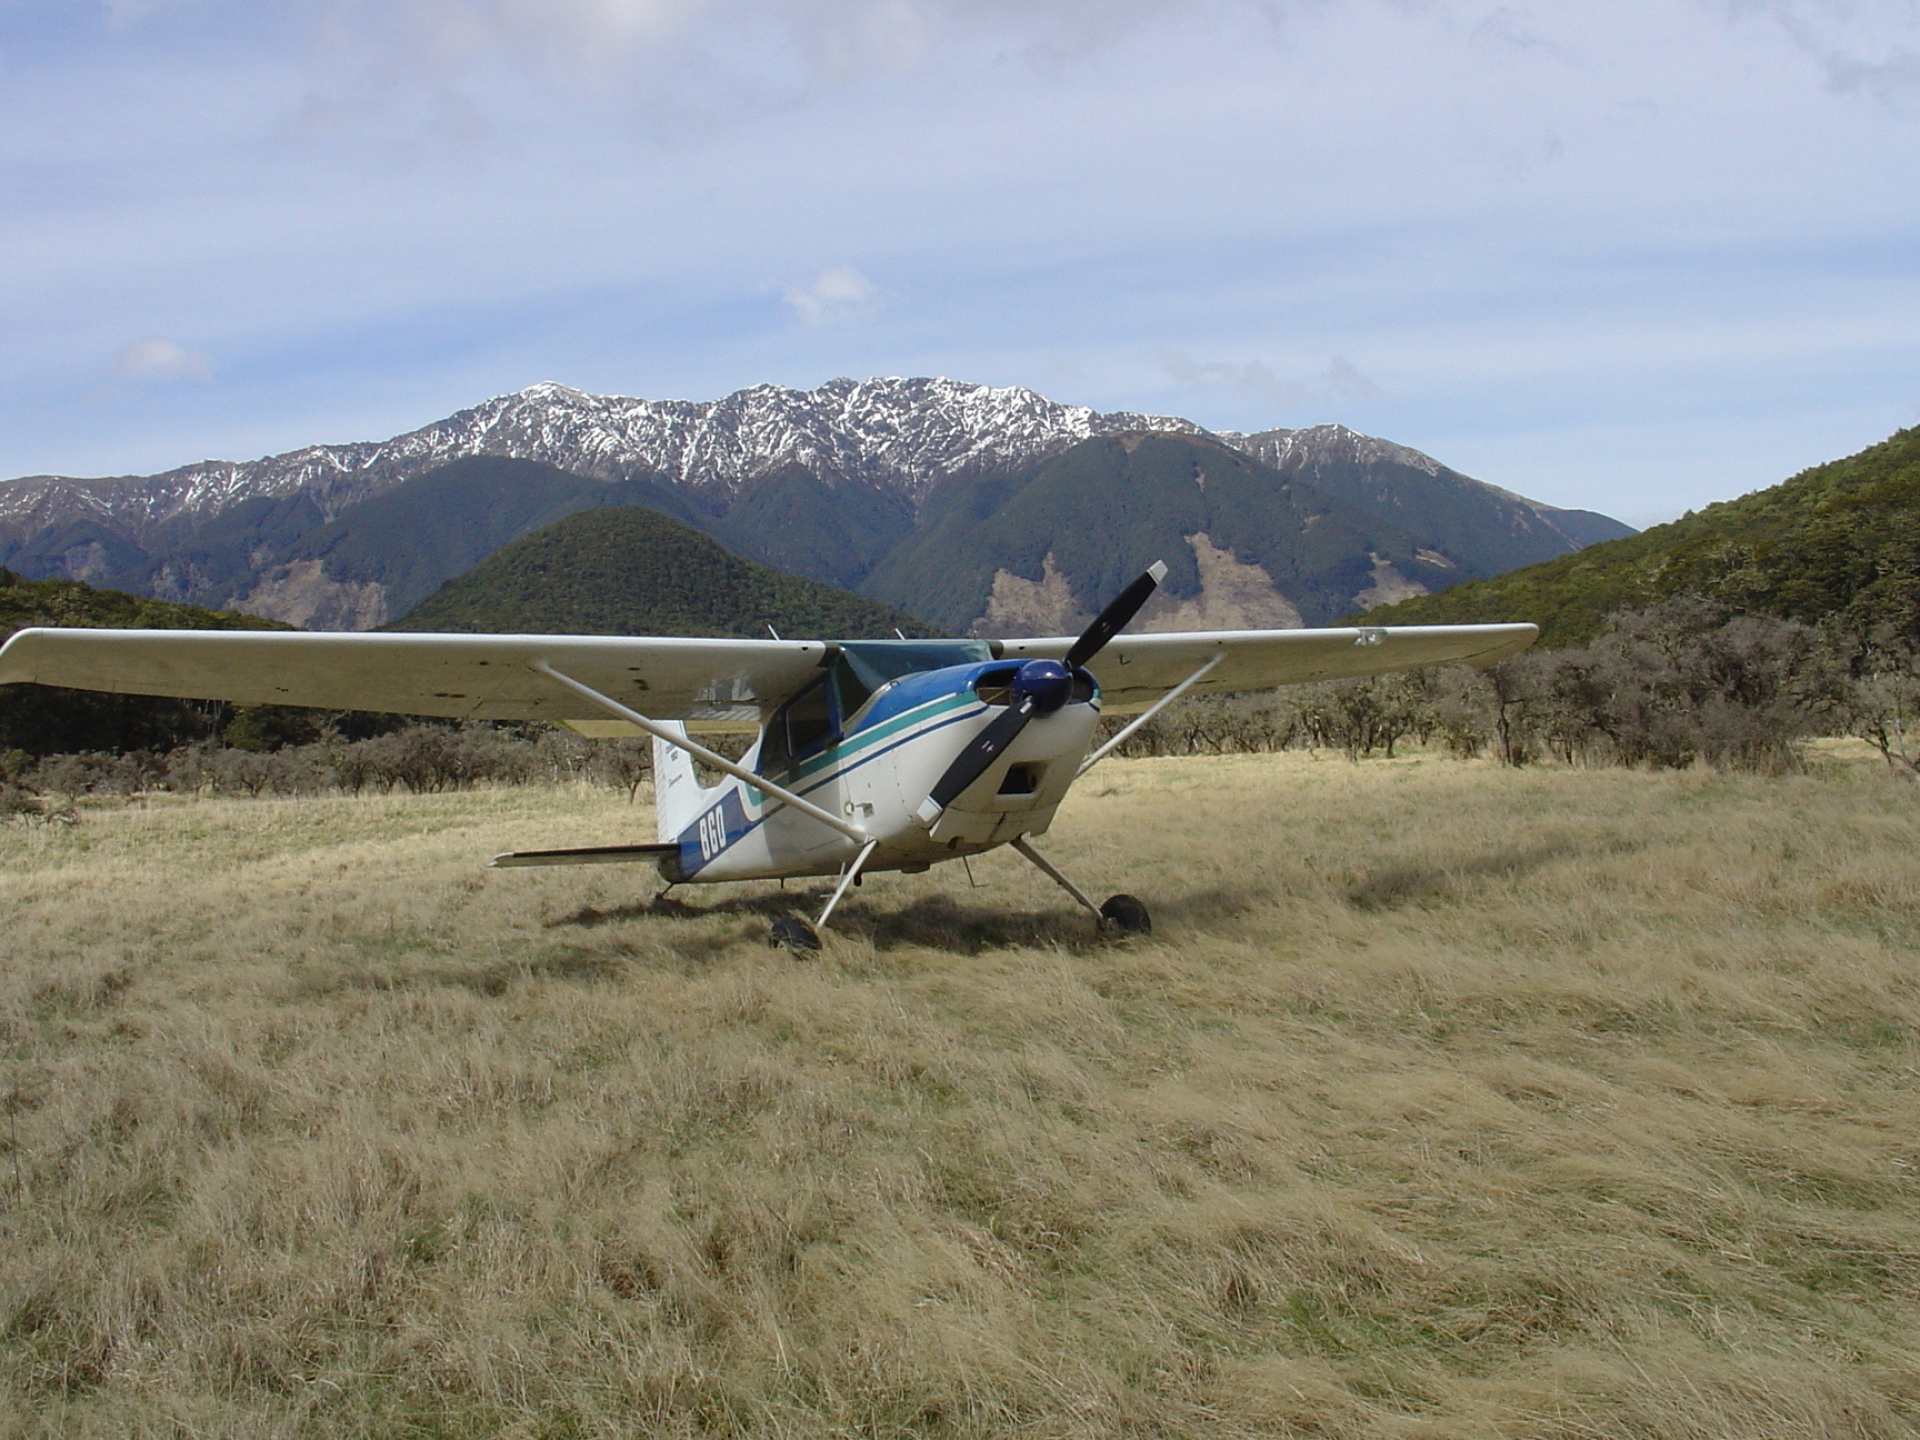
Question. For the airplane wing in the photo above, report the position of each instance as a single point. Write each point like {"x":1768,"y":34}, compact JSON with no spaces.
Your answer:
{"x":1136,"y":670}
{"x":711,"y":684}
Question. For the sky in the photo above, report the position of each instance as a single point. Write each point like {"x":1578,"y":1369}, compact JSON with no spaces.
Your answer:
{"x":1632,"y":257}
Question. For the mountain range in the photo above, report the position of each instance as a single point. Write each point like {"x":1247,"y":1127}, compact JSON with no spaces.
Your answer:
{"x":964,"y":504}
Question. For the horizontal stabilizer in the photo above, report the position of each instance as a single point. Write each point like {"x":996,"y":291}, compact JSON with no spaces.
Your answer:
{"x":587,"y":855}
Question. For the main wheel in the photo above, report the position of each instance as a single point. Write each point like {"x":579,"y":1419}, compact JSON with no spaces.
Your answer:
{"x":795,"y":936}
{"x":1123,"y":912}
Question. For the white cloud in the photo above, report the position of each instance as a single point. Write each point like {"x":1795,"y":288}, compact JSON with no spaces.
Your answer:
{"x":883,"y":35}
{"x":1864,"y":46}
{"x":1338,"y":381}
{"x":1894,"y":78}
{"x":746,"y":46}
{"x":157,"y":358}
{"x":130,"y":12}
{"x":1340,"y":378}
{"x":1251,"y":378}
{"x":592,"y":36}
{"x":839,"y":293}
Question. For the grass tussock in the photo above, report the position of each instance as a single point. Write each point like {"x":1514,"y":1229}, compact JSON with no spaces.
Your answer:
{"x":1443,"y":1101}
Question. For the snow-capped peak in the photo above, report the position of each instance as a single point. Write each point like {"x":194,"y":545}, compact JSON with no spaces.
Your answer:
{"x":900,"y":433}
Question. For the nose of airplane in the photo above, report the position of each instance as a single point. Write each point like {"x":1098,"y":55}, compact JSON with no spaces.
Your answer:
{"x":1047,"y":683}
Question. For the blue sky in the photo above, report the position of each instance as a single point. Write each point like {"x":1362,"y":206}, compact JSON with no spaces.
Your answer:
{"x":1633,"y":257}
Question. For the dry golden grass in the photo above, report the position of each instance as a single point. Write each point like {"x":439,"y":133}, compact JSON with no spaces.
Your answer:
{"x":1443,"y":1101}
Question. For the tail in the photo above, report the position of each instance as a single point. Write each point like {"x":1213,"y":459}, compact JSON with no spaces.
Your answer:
{"x":677,"y":800}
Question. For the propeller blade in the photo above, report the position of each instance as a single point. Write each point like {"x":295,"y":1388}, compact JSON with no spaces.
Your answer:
{"x":1112,"y":620}
{"x":1040,"y":687}
{"x":971,"y":763}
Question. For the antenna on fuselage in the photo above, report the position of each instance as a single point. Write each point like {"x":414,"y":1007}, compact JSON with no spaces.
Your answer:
{"x":771,"y":631}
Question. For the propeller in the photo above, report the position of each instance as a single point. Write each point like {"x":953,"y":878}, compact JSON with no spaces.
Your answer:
{"x":1040,"y":687}
{"x":1112,"y":620}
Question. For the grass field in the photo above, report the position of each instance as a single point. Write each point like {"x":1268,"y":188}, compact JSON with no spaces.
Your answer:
{"x":1443,"y":1101}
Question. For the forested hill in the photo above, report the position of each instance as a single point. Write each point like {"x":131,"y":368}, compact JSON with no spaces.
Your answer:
{"x":1840,"y":541}
{"x":623,"y":570}
{"x":26,"y":602}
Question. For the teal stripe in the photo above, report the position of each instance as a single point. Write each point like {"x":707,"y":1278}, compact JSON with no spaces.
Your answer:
{"x":861,"y":741}
{"x":849,"y":748}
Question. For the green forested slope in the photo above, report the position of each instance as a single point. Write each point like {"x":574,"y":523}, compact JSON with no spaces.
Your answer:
{"x":622,"y":570}
{"x":437,"y":526}
{"x":1111,"y":505}
{"x":795,"y":522}
{"x":1840,"y":541}
{"x":409,"y":540}
{"x":69,"y":602}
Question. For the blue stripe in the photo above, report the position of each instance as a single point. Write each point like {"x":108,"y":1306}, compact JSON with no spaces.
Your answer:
{"x":704,"y":841}
{"x":889,"y":749}
{"x":691,"y":859}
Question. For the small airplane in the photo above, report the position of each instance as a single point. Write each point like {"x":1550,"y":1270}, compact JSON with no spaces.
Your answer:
{"x":872,"y":754}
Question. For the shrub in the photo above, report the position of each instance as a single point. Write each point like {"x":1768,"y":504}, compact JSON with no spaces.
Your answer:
{"x":96,"y":773}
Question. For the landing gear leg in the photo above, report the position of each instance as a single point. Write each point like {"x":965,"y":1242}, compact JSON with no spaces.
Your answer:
{"x":796,"y":936}
{"x":1122,"y":912}
{"x":851,"y":877}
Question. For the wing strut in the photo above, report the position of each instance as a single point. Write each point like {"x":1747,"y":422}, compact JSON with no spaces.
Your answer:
{"x":701,"y":753}
{"x":1145,"y":715}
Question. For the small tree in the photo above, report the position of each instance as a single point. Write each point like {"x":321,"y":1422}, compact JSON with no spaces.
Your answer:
{"x":1883,"y":702}
{"x":1361,"y":716}
{"x":626,"y":762}
{"x":1500,"y":707}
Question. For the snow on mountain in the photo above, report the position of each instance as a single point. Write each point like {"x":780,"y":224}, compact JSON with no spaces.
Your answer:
{"x":1391,"y":477}
{"x":822,"y":483}
{"x":1322,"y":444}
{"x":902,"y":434}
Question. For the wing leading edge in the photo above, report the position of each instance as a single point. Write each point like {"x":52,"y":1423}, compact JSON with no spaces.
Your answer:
{"x":711,"y":684}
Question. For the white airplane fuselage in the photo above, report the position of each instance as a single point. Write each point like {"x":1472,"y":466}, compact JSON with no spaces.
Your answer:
{"x":877,"y":769}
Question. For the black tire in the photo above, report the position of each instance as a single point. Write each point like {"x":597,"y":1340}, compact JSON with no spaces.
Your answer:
{"x":1126,"y":914}
{"x":795,"y":936}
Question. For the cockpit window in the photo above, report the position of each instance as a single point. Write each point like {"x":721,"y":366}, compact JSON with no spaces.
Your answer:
{"x":801,"y":727}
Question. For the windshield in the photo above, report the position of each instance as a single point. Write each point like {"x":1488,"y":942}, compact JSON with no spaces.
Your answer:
{"x":863,"y":666}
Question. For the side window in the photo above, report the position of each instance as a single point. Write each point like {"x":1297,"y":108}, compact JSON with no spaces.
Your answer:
{"x":800,"y":727}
